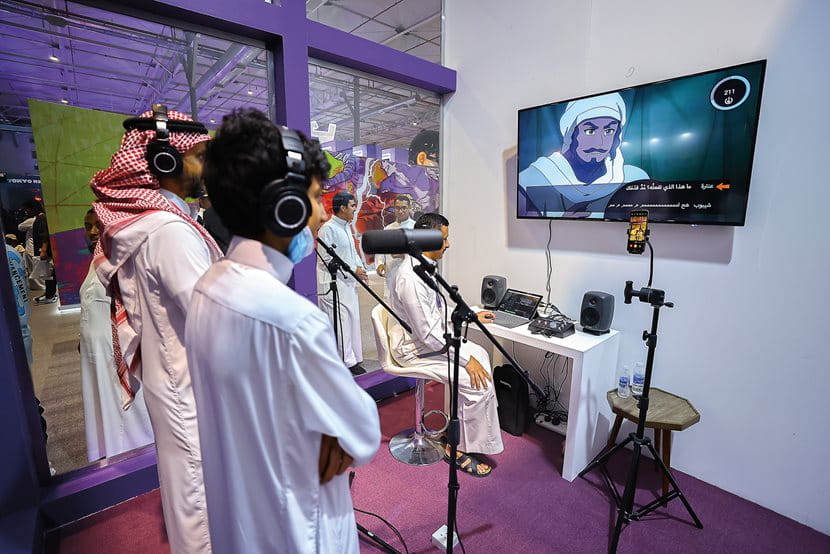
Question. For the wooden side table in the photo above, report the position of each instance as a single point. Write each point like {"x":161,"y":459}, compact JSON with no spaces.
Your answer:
{"x":666,"y":413}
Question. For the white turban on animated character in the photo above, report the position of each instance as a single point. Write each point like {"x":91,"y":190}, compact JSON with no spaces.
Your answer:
{"x":592,"y":131}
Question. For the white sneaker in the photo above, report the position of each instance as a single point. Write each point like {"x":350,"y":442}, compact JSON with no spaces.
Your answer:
{"x":45,"y":300}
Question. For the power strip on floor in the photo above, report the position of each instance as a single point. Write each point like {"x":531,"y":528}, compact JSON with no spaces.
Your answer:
{"x":544,"y":421}
{"x":439,"y":539}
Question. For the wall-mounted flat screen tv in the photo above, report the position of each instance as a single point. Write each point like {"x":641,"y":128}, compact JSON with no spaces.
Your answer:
{"x":681,"y":149}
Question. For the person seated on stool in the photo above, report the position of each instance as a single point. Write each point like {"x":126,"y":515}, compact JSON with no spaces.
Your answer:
{"x":424,"y":310}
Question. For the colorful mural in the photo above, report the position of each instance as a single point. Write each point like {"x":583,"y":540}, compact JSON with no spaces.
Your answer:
{"x":375,"y":184}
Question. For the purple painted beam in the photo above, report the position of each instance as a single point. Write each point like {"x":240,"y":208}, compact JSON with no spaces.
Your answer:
{"x":336,"y":46}
{"x":251,"y":18}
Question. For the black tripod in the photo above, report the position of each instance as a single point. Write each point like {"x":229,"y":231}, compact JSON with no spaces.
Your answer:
{"x":462,"y":314}
{"x":625,"y":504}
{"x":334,"y":265}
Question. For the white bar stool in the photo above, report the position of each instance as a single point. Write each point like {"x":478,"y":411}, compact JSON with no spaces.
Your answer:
{"x":412,"y":446}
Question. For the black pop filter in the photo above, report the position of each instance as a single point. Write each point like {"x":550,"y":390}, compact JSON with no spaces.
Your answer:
{"x":402,"y":241}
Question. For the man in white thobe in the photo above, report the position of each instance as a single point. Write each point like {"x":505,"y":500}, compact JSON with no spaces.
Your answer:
{"x":336,"y":232}
{"x":387,"y":264}
{"x":590,"y":167}
{"x":110,"y":429}
{"x":425,"y":312}
{"x":280,"y":417}
{"x":150,"y":255}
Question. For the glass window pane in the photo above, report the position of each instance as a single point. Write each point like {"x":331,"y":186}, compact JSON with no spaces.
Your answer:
{"x":71,"y":73}
{"x":382,"y":140}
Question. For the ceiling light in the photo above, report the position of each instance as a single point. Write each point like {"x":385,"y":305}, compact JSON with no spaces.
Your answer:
{"x":64,"y":101}
{"x":250,"y":91}
{"x":54,"y":58}
{"x":213,"y":121}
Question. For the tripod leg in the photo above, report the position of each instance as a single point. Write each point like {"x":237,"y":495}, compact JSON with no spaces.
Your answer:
{"x":624,"y":511}
{"x":668,"y":475}
{"x":604,"y":456}
{"x":612,"y":548}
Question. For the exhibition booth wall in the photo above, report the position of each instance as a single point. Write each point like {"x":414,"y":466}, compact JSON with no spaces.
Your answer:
{"x":744,"y":342}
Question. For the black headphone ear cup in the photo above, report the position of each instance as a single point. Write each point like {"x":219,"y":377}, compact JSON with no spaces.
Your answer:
{"x":163,"y":159}
{"x":285,"y":209}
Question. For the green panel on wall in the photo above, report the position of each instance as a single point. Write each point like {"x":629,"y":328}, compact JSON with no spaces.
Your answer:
{"x":72,"y":145}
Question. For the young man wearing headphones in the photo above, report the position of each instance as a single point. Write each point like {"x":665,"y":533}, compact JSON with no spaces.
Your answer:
{"x":281,"y":418}
{"x":149,"y":256}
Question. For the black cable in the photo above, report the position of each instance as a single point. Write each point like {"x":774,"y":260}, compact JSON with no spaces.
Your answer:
{"x":651,"y":263}
{"x":549,"y":263}
{"x":394,"y":530}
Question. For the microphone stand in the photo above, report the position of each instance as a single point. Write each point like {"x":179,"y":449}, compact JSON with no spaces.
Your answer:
{"x":460,"y":315}
{"x":338,"y":264}
{"x":334,"y":264}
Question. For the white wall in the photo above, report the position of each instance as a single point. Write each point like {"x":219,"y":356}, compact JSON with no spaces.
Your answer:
{"x":746,"y":341}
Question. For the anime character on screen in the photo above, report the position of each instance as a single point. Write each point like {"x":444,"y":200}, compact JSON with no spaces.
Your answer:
{"x":589,"y":168}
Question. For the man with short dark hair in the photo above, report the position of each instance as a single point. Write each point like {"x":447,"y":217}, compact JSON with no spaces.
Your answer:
{"x":336,"y":232}
{"x":386,"y":265}
{"x":280,"y":418}
{"x":425,"y":310}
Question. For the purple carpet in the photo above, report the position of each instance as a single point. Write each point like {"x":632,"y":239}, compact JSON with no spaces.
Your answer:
{"x":524,"y":506}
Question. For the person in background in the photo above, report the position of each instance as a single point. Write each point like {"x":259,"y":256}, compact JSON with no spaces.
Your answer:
{"x":213,"y":223}
{"x":387,"y":264}
{"x":281,"y":419}
{"x":425,"y":310}
{"x":40,"y":237}
{"x":150,"y":254}
{"x":21,"y":296}
{"x":336,"y":232}
{"x":30,"y":209}
{"x":110,"y":430}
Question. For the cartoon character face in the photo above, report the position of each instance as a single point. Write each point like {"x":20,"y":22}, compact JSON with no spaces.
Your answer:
{"x":595,"y":138}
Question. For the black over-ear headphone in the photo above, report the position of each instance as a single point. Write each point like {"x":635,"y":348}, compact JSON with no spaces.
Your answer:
{"x":163,"y":159}
{"x":285,"y":207}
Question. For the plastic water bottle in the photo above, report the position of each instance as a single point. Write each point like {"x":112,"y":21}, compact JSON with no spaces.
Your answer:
{"x":623,"y":377}
{"x":638,"y":379}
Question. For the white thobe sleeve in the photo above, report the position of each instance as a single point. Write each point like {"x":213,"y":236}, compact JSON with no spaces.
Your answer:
{"x":424,"y":316}
{"x":26,"y":224}
{"x":335,"y":404}
{"x":180,"y":257}
{"x":325,"y":234}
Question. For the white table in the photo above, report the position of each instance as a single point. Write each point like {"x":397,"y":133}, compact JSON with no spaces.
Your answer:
{"x":594,"y":367}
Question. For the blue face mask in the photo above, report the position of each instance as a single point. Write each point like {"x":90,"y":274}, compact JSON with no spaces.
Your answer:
{"x":301,"y":246}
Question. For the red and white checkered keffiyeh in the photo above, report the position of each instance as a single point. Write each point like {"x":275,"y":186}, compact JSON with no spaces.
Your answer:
{"x":126,"y":192}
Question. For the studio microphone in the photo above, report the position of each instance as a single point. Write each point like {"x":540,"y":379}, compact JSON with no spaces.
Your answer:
{"x":402,"y":241}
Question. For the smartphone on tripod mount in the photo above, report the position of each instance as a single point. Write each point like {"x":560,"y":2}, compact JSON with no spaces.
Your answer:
{"x":637,"y":231}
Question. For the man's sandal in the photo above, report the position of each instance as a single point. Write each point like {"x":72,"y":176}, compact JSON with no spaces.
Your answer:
{"x":469,"y":464}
